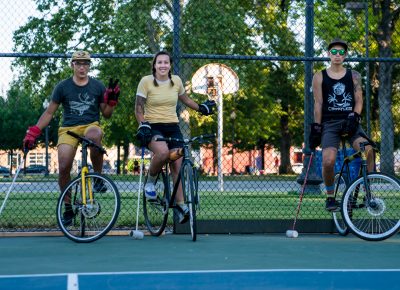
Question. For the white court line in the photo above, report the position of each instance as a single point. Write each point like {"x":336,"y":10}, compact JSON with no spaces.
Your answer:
{"x":239,"y":271}
{"x":72,"y":282}
{"x":198,"y":271}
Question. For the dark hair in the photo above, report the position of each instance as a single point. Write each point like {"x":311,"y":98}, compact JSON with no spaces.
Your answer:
{"x":154,"y":69}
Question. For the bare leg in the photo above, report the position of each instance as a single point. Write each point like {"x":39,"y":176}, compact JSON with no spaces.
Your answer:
{"x":66,"y":154}
{"x":95,"y":134}
{"x":175,"y":167}
{"x":328,"y":166}
{"x":160,"y":157}
{"x":369,"y":151}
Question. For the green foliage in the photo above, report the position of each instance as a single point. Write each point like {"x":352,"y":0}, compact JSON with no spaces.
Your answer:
{"x":16,"y":114}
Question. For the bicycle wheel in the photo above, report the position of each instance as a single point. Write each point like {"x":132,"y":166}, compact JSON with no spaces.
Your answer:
{"x":373,"y":217}
{"x":156,"y":211}
{"x":87,"y":222}
{"x":196,"y":188}
{"x":340,"y":182}
{"x":188,"y":187}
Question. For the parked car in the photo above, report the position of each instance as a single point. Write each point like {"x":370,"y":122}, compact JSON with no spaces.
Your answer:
{"x":297,"y":168}
{"x":107,"y":169}
{"x":4,"y":171}
{"x":35,"y":169}
{"x":90,"y":167}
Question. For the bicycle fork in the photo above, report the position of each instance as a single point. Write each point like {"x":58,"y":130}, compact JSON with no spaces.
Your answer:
{"x":85,"y":171}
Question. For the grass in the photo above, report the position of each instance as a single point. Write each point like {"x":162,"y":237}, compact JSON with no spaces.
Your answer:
{"x":34,"y":210}
{"x":37,"y":210}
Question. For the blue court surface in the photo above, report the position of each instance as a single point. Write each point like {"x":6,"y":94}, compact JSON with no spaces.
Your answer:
{"x":263,"y":261}
{"x":229,"y":280}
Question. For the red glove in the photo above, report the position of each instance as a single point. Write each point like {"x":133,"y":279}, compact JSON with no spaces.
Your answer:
{"x":30,"y":138}
{"x":111,"y":94}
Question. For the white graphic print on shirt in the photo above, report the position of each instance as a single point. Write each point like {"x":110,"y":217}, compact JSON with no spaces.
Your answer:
{"x":339,"y":100}
{"x":83,"y":105}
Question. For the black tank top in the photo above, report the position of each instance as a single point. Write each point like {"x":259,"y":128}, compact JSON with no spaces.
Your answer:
{"x":338,"y":96}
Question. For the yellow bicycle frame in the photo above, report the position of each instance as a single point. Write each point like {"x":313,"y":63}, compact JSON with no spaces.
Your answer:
{"x":85,"y":170}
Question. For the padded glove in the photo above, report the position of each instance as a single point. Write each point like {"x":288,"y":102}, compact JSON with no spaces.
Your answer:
{"x":207,"y":107}
{"x":352,"y":123}
{"x":30,"y":138}
{"x":143,"y":134}
{"x":111,"y":94}
{"x":315,"y":135}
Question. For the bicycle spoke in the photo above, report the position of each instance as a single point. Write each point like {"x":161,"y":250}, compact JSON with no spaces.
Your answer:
{"x":156,"y":211}
{"x":93,"y":218}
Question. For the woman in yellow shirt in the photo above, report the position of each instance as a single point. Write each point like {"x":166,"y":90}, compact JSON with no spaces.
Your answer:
{"x":155,"y":110}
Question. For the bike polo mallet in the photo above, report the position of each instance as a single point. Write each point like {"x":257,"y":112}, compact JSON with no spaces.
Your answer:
{"x":136,"y":234}
{"x":13,"y":182}
{"x":293,"y":233}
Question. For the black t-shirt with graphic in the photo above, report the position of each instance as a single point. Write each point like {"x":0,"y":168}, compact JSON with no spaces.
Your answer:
{"x":81,"y":104}
{"x":338,"y":96}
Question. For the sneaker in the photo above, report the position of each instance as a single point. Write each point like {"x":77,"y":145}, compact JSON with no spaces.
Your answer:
{"x":183,"y":213}
{"x":150,"y":191}
{"x":331,"y":204}
{"x":68,"y":216}
{"x":99,"y":186}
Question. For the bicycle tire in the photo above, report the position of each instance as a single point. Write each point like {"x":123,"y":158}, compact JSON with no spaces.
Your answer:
{"x":156,"y":212}
{"x":196,"y":183}
{"x":188,"y":187}
{"x":337,"y":216}
{"x":378,"y":218}
{"x":92,"y":220}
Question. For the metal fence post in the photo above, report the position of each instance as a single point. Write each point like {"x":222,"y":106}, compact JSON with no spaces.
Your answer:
{"x":176,"y":50}
{"x":313,"y":179}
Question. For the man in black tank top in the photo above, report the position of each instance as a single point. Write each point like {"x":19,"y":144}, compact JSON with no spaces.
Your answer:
{"x":338,"y":103}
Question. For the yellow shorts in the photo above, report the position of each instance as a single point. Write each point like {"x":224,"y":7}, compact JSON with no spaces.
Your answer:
{"x":81,"y":130}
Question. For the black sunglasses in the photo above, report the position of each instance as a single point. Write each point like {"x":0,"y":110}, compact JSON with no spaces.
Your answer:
{"x":340,"y":51}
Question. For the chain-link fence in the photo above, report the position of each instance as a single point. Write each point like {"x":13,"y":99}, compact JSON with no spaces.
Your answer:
{"x":255,"y":58}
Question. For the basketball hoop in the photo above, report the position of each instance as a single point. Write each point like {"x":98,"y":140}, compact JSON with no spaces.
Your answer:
{"x":213,"y":78}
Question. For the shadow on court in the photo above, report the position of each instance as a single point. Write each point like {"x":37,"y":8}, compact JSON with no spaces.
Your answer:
{"x":47,"y":255}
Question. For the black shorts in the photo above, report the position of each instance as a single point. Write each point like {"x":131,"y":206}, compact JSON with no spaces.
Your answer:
{"x":332,"y":131}
{"x":167,"y":130}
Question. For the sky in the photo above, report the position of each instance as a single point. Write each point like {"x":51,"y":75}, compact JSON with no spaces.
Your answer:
{"x":14,"y":14}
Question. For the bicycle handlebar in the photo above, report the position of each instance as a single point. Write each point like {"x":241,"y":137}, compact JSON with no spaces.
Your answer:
{"x":87,"y":141}
{"x":187,"y":141}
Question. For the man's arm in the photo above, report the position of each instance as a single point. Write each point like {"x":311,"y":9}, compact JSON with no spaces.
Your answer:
{"x":318,"y":99}
{"x":358,"y":96}
{"x":47,"y":115}
{"x":106,"y":110}
{"x":139,"y":108}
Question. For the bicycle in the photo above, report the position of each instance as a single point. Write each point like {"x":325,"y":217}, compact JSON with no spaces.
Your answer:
{"x":89,"y":206}
{"x":156,"y":211}
{"x":370,"y":205}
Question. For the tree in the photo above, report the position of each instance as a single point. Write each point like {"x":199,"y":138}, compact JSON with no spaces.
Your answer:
{"x":16,"y":114}
{"x":389,"y":16}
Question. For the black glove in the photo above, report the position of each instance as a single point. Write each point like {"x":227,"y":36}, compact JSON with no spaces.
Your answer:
{"x":315,"y":135}
{"x":143,"y":134}
{"x":111,"y":94}
{"x":207,"y":107}
{"x":351,"y":125}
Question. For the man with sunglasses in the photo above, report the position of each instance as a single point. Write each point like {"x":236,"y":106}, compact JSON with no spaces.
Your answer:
{"x":83,"y":98}
{"x":338,"y":103}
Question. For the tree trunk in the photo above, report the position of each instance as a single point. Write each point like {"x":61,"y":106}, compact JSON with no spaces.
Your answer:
{"x":384,"y":39}
{"x":285,"y":166}
{"x":126,"y":155}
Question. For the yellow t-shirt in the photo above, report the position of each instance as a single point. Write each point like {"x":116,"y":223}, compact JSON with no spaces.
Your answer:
{"x":161,"y":101}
